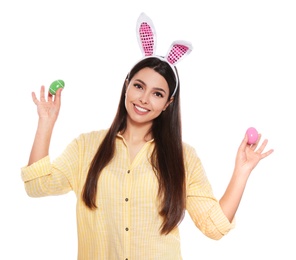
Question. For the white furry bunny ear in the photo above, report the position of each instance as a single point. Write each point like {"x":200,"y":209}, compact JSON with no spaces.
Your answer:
{"x":146,"y":35}
{"x":177,"y":51}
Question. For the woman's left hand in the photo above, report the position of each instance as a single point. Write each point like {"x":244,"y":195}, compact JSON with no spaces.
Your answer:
{"x":248,"y":156}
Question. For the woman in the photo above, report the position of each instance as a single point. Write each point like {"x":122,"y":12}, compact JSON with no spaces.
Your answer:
{"x":135,"y":180}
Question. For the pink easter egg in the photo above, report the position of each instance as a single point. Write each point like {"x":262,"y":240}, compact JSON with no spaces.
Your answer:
{"x":252,"y":135}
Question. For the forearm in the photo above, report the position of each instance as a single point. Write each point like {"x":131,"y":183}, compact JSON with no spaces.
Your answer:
{"x":41,"y":143}
{"x":246,"y":160}
{"x":231,"y":199}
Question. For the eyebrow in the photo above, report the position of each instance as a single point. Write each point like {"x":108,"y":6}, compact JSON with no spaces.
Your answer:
{"x":159,"y":89}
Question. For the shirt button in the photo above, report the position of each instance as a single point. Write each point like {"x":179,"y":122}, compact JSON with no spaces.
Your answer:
{"x":126,"y":199}
{"x":126,"y":229}
{"x":128,"y":171}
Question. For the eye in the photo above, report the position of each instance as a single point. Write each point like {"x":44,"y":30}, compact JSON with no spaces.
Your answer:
{"x":138,"y":86}
{"x":158,"y":94}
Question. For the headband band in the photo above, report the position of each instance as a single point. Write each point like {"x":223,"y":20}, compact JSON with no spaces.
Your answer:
{"x":146,"y":36}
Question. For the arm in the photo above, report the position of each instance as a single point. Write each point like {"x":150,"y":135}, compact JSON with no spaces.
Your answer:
{"x":248,"y":156}
{"x":48,"y":111}
{"x":201,"y":204}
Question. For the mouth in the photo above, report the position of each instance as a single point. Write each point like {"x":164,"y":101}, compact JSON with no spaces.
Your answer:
{"x":141,"y":109}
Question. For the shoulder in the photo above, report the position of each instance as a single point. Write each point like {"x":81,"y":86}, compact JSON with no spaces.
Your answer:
{"x":92,"y":137}
{"x":195,"y":171}
{"x":190,"y":155}
{"x":188,"y":149}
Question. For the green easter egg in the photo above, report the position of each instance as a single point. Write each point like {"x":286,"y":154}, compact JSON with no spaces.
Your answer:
{"x":55,"y":86}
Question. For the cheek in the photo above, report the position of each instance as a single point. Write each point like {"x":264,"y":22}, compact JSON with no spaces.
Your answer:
{"x":127,"y":95}
{"x":129,"y":98}
{"x":159,"y":106}
{"x":130,"y":94}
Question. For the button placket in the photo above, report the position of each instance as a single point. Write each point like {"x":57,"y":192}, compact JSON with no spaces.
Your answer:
{"x":126,"y":206}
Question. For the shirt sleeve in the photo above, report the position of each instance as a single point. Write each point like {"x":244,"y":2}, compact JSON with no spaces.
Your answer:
{"x":203,"y":208}
{"x":44,"y":178}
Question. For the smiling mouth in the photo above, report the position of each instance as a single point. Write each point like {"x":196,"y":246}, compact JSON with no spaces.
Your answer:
{"x":143,"y":110}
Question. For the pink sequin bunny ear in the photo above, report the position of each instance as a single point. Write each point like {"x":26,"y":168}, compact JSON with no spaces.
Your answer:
{"x":146,"y":35}
{"x":177,"y":51}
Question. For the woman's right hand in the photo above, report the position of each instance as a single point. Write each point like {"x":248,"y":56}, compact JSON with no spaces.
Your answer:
{"x":49,"y":108}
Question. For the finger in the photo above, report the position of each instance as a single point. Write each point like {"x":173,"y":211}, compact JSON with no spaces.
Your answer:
{"x":58,"y":95}
{"x":34,"y":98}
{"x":266,"y":153}
{"x":42,"y":96}
{"x":255,"y":145}
{"x":49,"y":96}
{"x":262,"y":147}
{"x":244,"y":143}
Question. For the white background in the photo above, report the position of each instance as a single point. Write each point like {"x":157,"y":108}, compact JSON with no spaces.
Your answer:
{"x":241,"y":73}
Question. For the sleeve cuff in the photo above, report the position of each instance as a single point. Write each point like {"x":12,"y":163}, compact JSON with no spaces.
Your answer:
{"x":36,"y":170}
{"x":224,"y":225}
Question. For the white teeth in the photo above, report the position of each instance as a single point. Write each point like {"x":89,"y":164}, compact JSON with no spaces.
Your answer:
{"x":141,"y":109}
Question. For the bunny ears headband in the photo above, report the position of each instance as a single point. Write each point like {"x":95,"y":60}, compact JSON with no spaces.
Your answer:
{"x":147,"y":40}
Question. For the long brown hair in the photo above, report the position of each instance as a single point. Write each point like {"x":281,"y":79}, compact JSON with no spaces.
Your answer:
{"x":167,"y":156}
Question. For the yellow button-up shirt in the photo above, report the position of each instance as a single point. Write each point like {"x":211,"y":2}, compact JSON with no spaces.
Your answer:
{"x":126,"y":224}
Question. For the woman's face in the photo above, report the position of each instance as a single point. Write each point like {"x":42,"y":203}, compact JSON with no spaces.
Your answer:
{"x":147,"y":96}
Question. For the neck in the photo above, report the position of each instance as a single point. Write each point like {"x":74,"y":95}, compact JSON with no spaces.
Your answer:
{"x":137,"y":133}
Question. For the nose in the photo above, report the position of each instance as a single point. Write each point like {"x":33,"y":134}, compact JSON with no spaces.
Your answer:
{"x":144,"y":98}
